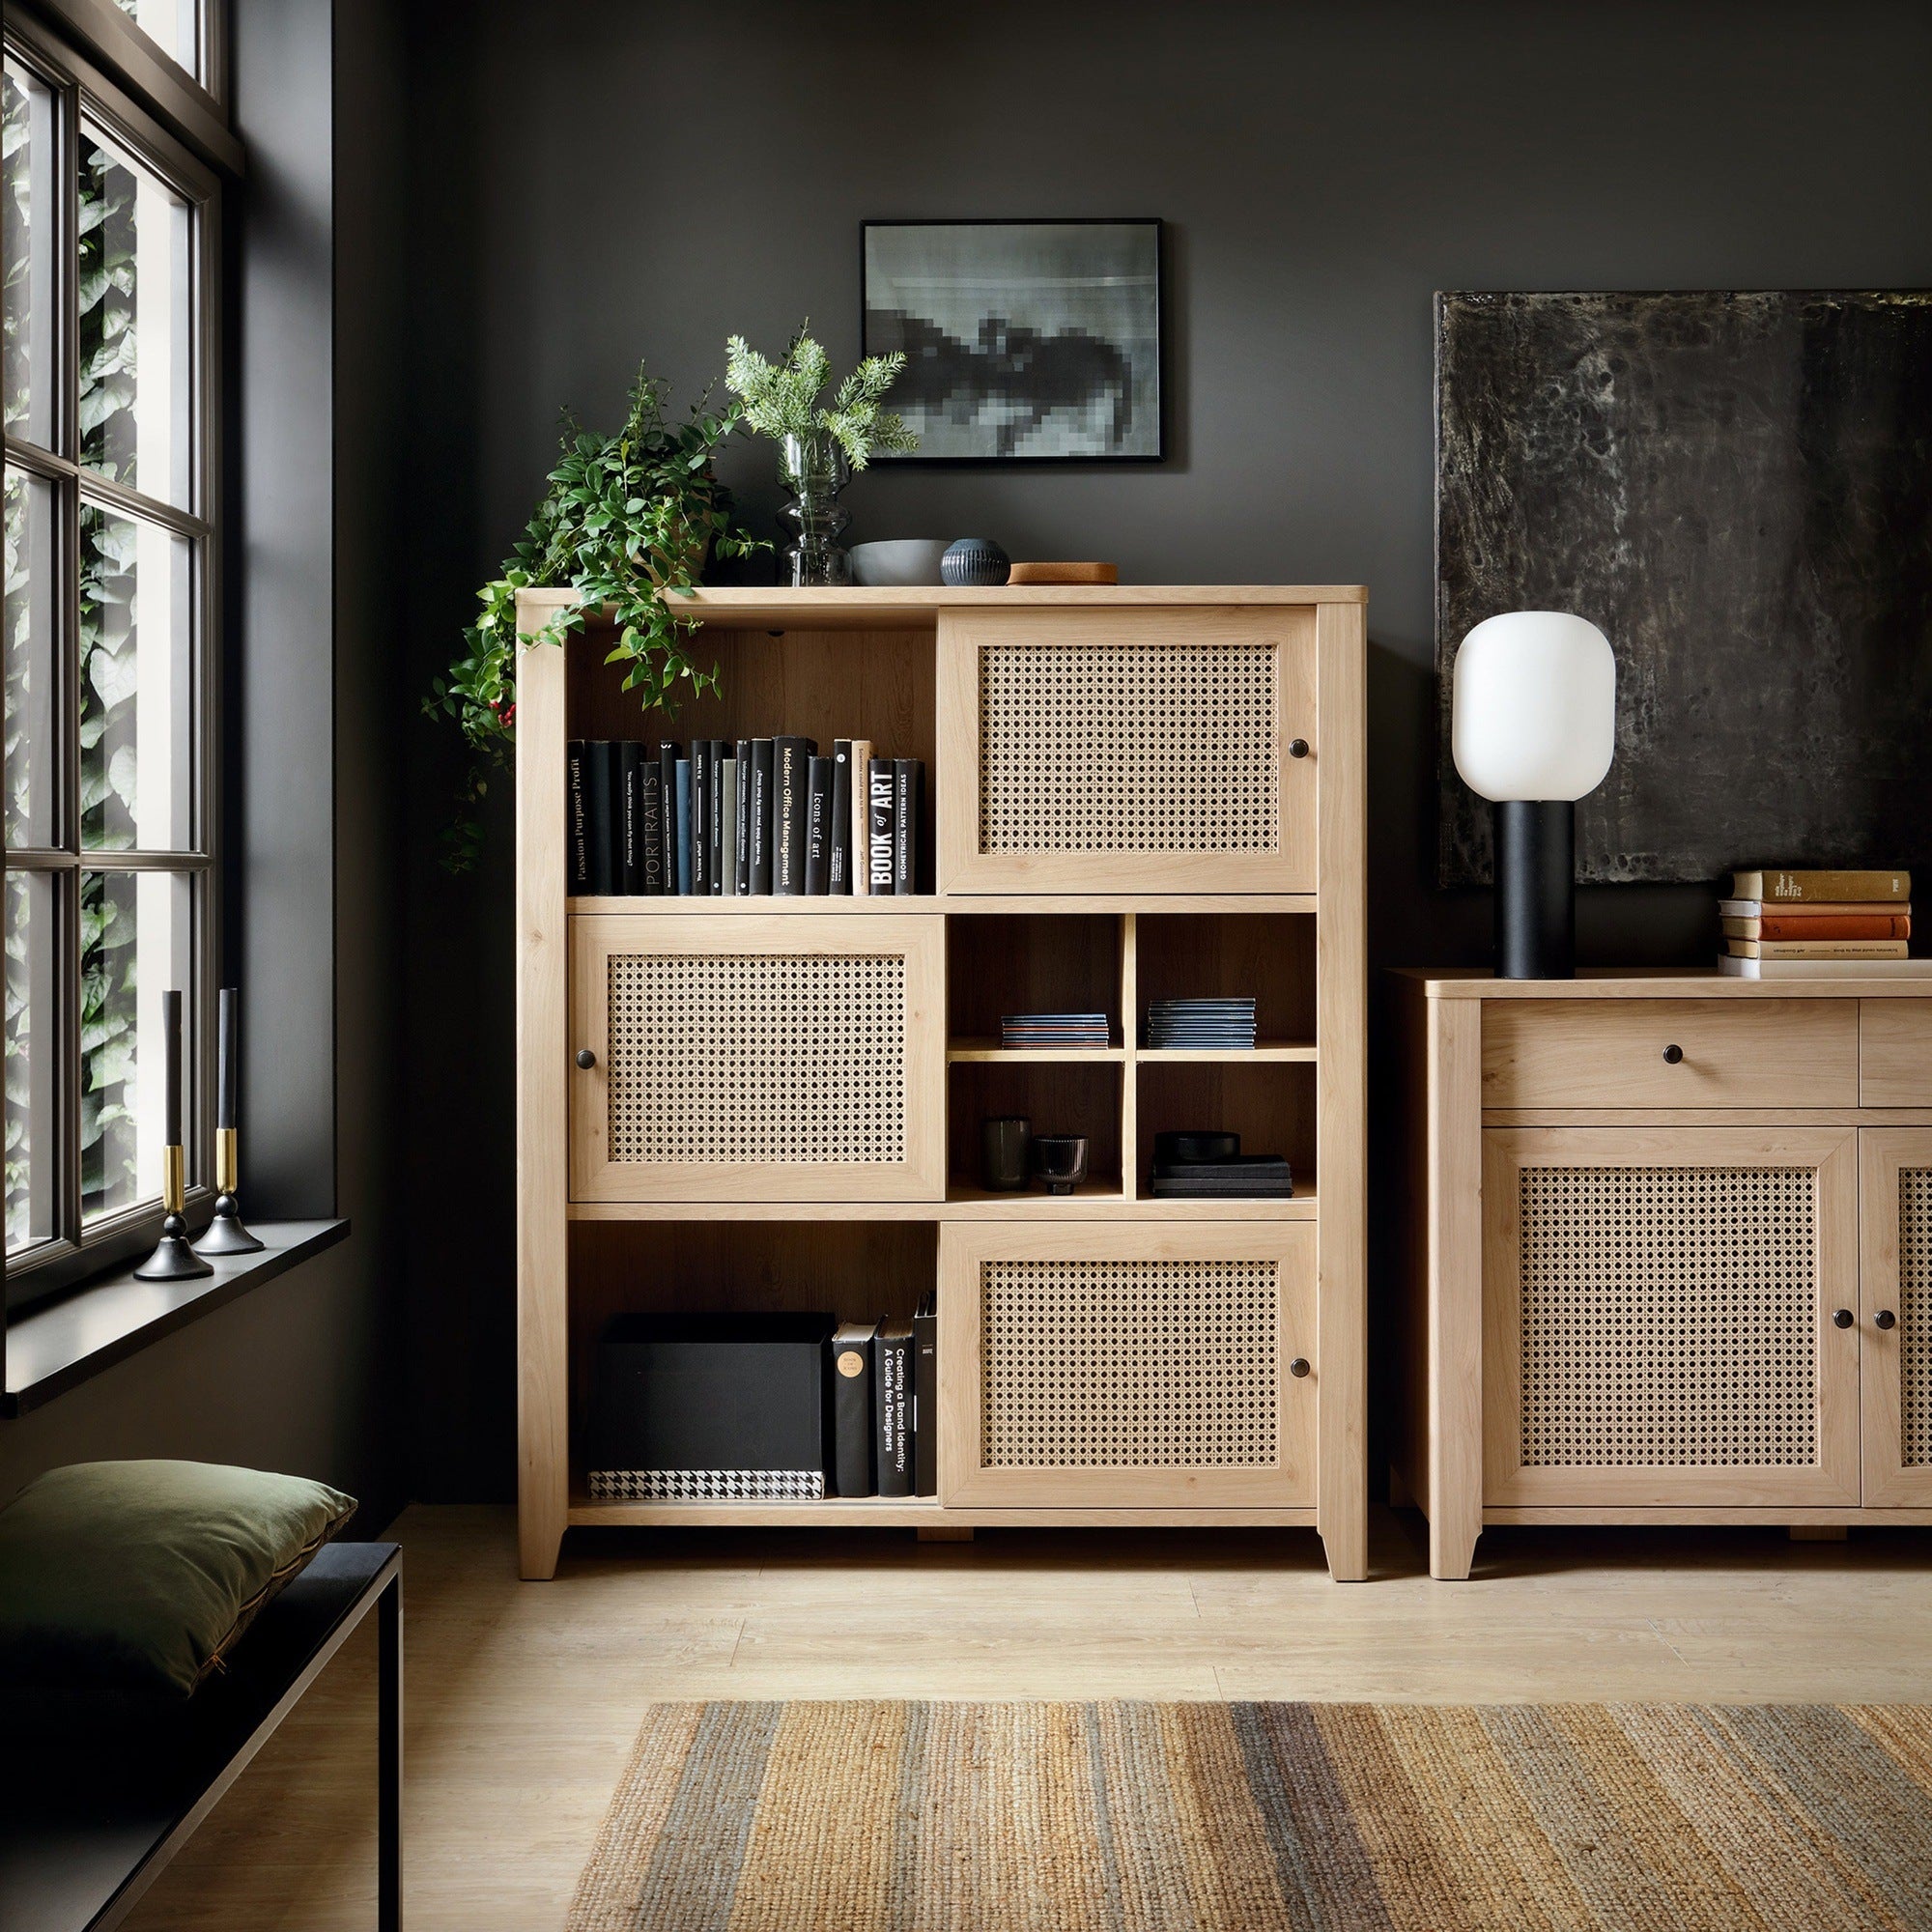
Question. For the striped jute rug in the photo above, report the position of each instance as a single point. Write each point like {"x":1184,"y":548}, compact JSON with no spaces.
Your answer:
{"x":889,"y":1817}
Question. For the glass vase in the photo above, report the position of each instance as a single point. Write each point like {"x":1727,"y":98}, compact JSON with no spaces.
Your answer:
{"x":814,"y":469}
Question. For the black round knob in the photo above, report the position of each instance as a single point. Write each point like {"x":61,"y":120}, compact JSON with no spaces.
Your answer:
{"x":1672,"y":1055}
{"x":1298,"y":1367}
{"x":1886,"y":1319}
{"x":1841,"y":1318}
{"x":1297,"y":748}
{"x":586,"y":1059}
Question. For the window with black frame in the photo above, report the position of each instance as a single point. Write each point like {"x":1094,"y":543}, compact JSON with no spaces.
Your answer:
{"x":110,"y":604}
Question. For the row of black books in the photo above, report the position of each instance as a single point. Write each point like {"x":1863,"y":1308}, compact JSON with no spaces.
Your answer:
{"x":885,"y":1406}
{"x":751,"y":817}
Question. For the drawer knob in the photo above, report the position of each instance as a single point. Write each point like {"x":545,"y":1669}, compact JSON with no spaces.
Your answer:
{"x":1841,"y":1318}
{"x":1297,"y":748}
{"x":586,"y":1059}
{"x":1298,"y":1367}
{"x":1886,"y":1319}
{"x":1673,"y":1054}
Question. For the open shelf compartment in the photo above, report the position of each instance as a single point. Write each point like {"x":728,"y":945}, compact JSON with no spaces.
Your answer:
{"x":823,"y":685}
{"x":855,"y":1271}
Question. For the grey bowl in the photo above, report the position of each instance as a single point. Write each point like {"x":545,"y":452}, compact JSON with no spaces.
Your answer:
{"x":898,"y":562}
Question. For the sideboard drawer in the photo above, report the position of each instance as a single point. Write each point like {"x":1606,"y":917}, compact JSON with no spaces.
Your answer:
{"x":1670,"y":1053}
{"x":1895,"y":1053}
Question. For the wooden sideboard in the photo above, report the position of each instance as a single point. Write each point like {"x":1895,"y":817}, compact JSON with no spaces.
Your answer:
{"x":1672,"y":1256}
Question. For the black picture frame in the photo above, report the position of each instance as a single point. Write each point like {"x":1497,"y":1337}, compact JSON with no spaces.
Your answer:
{"x":1144,"y":396}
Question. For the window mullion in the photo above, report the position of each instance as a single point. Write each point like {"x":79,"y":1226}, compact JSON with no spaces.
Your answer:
{"x":66,"y":886}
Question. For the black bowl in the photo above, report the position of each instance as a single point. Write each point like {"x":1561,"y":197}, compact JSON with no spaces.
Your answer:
{"x":1180,"y":1149}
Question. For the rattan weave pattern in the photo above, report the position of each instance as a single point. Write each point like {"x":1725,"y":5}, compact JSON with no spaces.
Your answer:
{"x":1111,"y":748}
{"x":1915,"y":1315}
{"x":1154,"y":1364}
{"x":1668,"y":1317}
{"x":792,"y":1059}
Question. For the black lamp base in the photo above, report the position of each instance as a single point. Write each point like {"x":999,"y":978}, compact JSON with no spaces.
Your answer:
{"x":1536,"y":888}
{"x":173,"y":1260}
{"x":226,"y":1235}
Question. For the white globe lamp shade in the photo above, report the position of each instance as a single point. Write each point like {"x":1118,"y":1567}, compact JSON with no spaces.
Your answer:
{"x":1534,"y":712}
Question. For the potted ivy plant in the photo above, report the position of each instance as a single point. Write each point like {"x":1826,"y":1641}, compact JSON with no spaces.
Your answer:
{"x":627,"y":522}
{"x":819,"y":444}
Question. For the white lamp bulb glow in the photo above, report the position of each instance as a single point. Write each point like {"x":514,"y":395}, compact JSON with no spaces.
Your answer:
{"x":1534,"y":710}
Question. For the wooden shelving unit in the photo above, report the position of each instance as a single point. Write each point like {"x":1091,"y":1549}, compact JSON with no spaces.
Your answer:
{"x":1044,"y":718}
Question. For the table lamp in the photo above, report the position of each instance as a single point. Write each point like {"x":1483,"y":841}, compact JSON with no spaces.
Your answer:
{"x":1534,"y":728}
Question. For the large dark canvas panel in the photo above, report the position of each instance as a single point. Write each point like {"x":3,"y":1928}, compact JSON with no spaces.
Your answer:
{"x":1737,"y":488}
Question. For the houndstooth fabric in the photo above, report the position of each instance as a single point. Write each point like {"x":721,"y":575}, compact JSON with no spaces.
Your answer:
{"x":708,"y":1485}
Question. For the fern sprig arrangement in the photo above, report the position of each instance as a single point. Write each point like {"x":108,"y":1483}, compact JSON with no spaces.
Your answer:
{"x":780,"y":399}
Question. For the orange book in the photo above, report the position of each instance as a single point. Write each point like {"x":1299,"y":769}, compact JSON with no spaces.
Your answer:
{"x":1821,"y":925}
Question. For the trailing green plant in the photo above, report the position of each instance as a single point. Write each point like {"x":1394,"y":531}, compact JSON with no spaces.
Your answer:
{"x":780,"y":399}
{"x":626,"y":522}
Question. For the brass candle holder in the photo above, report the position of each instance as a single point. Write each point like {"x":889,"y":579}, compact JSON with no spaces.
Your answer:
{"x":226,"y":1233}
{"x":173,"y":1259}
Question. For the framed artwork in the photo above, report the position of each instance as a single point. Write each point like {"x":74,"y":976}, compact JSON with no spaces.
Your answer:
{"x":1025,"y":341}
{"x":1736,"y":489}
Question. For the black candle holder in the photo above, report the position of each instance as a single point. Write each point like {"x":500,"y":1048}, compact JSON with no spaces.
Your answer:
{"x":173,"y":1259}
{"x":226,"y":1233}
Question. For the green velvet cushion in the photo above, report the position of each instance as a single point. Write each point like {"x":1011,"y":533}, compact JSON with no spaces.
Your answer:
{"x":138,"y":1577}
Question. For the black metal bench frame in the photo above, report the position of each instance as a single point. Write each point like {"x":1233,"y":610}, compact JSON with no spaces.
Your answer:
{"x":79,"y":1864}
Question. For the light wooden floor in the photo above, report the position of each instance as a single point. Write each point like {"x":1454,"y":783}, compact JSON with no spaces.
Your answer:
{"x":524,"y":1698}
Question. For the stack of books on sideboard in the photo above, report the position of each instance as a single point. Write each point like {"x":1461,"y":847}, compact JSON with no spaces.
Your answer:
{"x":1792,"y":924}
{"x":745,"y":816}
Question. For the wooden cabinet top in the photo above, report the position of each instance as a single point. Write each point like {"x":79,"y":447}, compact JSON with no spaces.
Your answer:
{"x":1647,"y":982}
{"x":851,"y":608}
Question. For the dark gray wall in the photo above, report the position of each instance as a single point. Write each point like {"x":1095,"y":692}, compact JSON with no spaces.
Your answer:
{"x":605,"y":180}
{"x":308,"y":1373}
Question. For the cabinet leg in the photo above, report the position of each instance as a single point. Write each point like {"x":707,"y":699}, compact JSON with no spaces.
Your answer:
{"x":537,"y":1550}
{"x":1818,"y":1532}
{"x":1451,"y":1556}
{"x":1348,"y":1553}
{"x":945,"y":1532}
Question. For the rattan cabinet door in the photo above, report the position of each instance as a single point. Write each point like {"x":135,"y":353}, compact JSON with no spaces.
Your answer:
{"x":1128,"y":751}
{"x":1895,"y":1319}
{"x":1659,"y":1313}
{"x":774,"y":1057}
{"x":1132,"y":1365}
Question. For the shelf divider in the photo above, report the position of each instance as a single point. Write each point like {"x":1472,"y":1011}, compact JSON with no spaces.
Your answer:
{"x":1265,"y":1052}
{"x":983,"y":1051}
{"x":1131,"y":1033}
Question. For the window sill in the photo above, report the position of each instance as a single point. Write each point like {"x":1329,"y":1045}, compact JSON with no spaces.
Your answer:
{"x":54,"y":1348}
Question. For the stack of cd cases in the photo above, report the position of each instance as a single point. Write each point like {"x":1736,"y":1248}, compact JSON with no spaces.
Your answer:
{"x":1038,"y":1030}
{"x":1216,"y":1023}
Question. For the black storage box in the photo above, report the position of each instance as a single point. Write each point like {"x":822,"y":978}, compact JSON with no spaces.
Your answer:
{"x":710,"y":1408}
